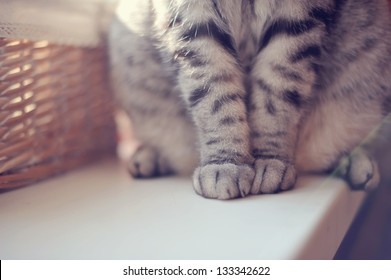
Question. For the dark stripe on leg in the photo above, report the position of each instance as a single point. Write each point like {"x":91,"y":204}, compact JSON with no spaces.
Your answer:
{"x":284,"y":26}
{"x":323,"y":15}
{"x":288,"y":74}
{"x":197,"y":95}
{"x":293,"y":97}
{"x":210,"y":30}
{"x":227,"y":121}
{"x":213,"y":141}
{"x":264,"y":86}
{"x":217,"y":177}
{"x":270,"y":107}
{"x":223,"y":100}
{"x":309,"y":51}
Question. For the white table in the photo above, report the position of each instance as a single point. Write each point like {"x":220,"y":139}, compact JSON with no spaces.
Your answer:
{"x":99,"y":212}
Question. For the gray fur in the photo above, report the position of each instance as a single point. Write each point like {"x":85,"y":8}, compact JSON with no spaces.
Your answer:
{"x":253,"y":91}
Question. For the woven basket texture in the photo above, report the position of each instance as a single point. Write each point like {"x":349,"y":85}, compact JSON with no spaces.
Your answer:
{"x":55,"y":110}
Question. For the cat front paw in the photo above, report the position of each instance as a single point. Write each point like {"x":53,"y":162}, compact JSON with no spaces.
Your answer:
{"x":273,"y":175}
{"x":361,"y":171}
{"x":146,"y":163}
{"x":223,"y":181}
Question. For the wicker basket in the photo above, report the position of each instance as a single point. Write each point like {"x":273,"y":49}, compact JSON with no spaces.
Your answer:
{"x":55,"y":110}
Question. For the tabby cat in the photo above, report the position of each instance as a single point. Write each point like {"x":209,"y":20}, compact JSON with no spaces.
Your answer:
{"x":253,"y":91}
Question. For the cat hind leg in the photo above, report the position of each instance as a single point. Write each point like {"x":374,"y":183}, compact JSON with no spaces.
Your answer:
{"x":146,"y":162}
{"x":360,"y":170}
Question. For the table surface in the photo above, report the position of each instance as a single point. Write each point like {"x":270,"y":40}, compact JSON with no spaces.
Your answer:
{"x":99,"y":212}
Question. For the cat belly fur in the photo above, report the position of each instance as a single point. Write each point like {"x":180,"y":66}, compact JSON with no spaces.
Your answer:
{"x":328,"y":134}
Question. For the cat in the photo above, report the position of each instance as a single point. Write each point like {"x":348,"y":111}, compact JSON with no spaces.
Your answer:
{"x":250,"y":93}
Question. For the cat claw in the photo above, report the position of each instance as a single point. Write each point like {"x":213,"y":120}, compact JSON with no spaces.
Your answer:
{"x":223,"y":181}
{"x":272,"y":176}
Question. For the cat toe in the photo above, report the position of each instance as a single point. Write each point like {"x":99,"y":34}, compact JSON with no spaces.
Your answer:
{"x":362,"y":172}
{"x":223,"y":181}
{"x":273,"y":175}
{"x":146,"y":163}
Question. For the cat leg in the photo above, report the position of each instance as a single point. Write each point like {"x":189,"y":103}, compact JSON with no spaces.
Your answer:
{"x":218,"y":109}
{"x":146,"y":162}
{"x":145,"y":88}
{"x":274,"y":127}
{"x":212,"y":83}
{"x":360,"y":170}
{"x":282,"y":78}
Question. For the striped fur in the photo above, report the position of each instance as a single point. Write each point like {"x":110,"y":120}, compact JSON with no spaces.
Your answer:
{"x":253,"y":91}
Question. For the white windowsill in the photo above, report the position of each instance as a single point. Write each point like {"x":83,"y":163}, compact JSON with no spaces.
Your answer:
{"x":98,"y":212}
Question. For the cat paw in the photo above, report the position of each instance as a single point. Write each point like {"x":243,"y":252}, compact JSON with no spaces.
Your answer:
{"x":223,"y":181}
{"x":361,"y":172}
{"x":146,"y":163}
{"x":273,"y":175}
